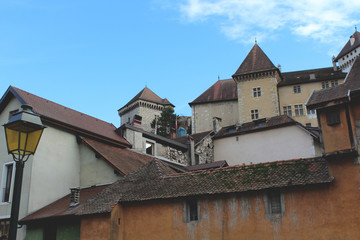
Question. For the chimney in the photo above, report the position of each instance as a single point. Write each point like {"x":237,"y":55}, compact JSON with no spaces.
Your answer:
{"x":334,"y":63}
{"x":279,"y":67}
{"x":216,"y":124}
{"x":191,"y":148}
{"x":137,"y":121}
{"x":74,"y":196}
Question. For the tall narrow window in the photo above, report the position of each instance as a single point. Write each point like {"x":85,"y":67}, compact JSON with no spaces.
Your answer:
{"x":257,"y":92}
{"x":191,"y":211}
{"x":274,"y":201}
{"x":7,"y":179}
{"x":254,"y":114}
{"x":299,"y":110}
{"x":287,"y":110}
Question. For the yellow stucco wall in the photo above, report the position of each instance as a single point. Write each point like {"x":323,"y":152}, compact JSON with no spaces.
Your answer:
{"x":267,"y":104}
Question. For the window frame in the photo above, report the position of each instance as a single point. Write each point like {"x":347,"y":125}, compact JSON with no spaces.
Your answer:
{"x":257,"y":91}
{"x":287,"y":110}
{"x":254,"y":113}
{"x":297,"y":89}
{"x":299,"y":110}
{"x":153,"y":143}
{"x":191,"y":210}
{"x":4,"y":182}
{"x":333,"y":117}
{"x":271,"y":206}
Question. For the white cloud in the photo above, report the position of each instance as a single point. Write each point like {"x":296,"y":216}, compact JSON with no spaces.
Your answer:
{"x":243,"y":19}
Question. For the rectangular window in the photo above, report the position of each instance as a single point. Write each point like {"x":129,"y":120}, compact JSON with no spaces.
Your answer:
{"x":257,"y":92}
{"x":274,"y":201}
{"x":333,"y":117}
{"x":254,"y":114}
{"x":325,"y":84}
{"x":149,"y":148}
{"x":7,"y":181}
{"x":299,"y":110}
{"x":287,"y":110}
{"x":297,"y":89}
{"x":192,"y":211}
{"x":311,"y":111}
{"x":334,"y":83}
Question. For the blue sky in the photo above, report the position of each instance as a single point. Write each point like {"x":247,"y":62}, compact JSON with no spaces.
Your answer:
{"x":94,"y":56}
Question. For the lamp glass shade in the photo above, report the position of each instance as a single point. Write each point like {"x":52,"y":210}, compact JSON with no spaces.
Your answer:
{"x":23,"y":141}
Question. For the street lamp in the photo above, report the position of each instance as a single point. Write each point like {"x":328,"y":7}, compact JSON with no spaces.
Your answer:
{"x":23,"y":132}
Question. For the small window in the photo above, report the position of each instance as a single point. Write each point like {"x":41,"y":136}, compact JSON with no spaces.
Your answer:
{"x":254,"y":114}
{"x":274,"y":203}
{"x":7,"y":181}
{"x":333,"y":117}
{"x":334,"y":83}
{"x":299,"y":110}
{"x":149,"y":148}
{"x":311,"y":111}
{"x":297,"y":89}
{"x":308,"y":125}
{"x":257,"y":92}
{"x":192,"y":211}
{"x":197,"y":159}
{"x":287,"y":110}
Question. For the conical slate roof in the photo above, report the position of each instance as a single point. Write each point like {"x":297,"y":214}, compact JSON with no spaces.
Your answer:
{"x":255,"y":61}
{"x":148,"y":95}
{"x":348,"y":47}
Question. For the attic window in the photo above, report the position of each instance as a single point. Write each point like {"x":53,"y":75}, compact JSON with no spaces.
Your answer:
{"x":312,"y":76}
{"x":333,"y":118}
{"x":149,"y":148}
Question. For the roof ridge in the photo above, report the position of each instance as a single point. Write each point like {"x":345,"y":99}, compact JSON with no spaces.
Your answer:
{"x":47,"y":100}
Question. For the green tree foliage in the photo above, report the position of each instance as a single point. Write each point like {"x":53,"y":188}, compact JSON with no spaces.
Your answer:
{"x":165,"y":122}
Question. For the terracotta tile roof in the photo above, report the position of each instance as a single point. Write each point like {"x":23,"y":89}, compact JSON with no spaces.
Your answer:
{"x":158,"y":183}
{"x":197,"y":137}
{"x":257,"y":125}
{"x":339,"y":93}
{"x":300,"y":77}
{"x":222,"y":90}
{"x":348,"y":48}
{"x":148,"y":95}
{"x":66,"y":117}
{"x":126,"y":161}
{"x":255,"y":61}
{"x":61,"y":207}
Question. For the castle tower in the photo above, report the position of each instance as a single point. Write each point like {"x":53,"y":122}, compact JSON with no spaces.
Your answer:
{"x":256,"y":81}
{"x":349,"y":53}
{"x":142,"y":109}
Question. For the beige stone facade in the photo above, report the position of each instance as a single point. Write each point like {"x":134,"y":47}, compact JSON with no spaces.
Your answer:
{"x":258,"y":96}
{"x":203,"y":114}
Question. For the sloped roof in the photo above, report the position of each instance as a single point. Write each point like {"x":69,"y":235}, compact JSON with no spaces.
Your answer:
{"x":321,"y":74}
{"x":222,"y":90}
{"x":61,"y":207}
{"x":126,"y":161}
{"x":258,"y":125}
{"x":206,"y":166}
{"x":339,"y":93}
{"x":197,"y":137}
{"x":66,"y":117}
{"x":150,"y":184}
{"x":148,"y":95}
{"x":255,"y":61}
{"x":348,"y":47}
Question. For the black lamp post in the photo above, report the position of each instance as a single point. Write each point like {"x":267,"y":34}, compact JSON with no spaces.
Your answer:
{"x":23,"y":132}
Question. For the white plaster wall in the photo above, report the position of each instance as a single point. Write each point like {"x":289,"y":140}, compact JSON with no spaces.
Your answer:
{"x":56,"y":168}
{"x":265,"y":146}
{"x":94,"y":171}
{"x":202,"y":115}
{"x":5,"y":208}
